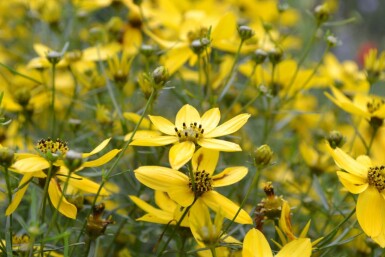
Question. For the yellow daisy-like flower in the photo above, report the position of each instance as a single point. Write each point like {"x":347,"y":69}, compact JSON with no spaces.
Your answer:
{"x":361,"y":177}
{"x":189,"y":130}
{"x":184,"y":191}
{"x":367,"y":106}
{"x":256,"y":245}
{"x":34,"y":165}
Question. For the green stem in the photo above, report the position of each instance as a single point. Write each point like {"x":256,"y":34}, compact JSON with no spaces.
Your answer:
{"x":45,"y":194}
{"x":8,"y":226}
{"x":252,"y":185}
{"x":375,"y":129}
{"x":213,"y":252}
{"x":231,"y":75}
{"x":15,"y":72}
{"x":53,"y":92}
{"x":117,"y":159}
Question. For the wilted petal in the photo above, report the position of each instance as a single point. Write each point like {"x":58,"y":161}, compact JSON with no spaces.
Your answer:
{"x":229,"y":176}
{"x":218,"y":144}
{"x":210,"y":119}
{"x":66,"y":208}
{"x":217,"y":202}
{"x":205,"y":159}
{"x":187,"y":114}
{"x":180,"y":154}
{"x":256,"y":245}
{"x":163,"y":125}
{"x":370,"y":211}
{"x":155,"y":141}
{"x":300,"y":247}
{"x":229,"y":126}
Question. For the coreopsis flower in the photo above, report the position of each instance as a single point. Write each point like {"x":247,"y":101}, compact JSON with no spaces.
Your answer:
{"x":374,"y":66}
{"x":185,"y":191}
{"x":190,"y":130}
{"x":169,"y":211}
{"x":361,"y":177}
{"x":256,"y":245}
{"x":37,"y":166}
{"x":371,"y":107}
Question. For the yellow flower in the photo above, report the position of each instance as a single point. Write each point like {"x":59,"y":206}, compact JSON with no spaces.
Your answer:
{"x":367,"y":106}
{"x":189,"y":130}
{"x":374,"y":66}
{"x":256,"y":245}
{"x":169,"y":213}
{"x":368,"y":181}
{"x":181,"y":189}
{"x":34,"y":165}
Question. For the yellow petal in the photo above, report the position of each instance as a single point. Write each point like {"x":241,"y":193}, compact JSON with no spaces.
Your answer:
{"x":163,"y":200}
{"x":163,"y":215}
{"x":300,"y":247}
{"x":218,"y":144}
{"x":229,"y":126}
{"x":19,"y":194}
{"x":97,"y":149}
{"x":187,"y":114}
{"x":256,"y":245}
{"x":142,"y":134}
{"x":225,"y":28}
{"x":380,"y":240}
{"x":161,"y":178}
{"x":180,"y":154}
{"x":184,"y":196}
{"x":98,"y":53}
{"x":229,"y":176}
{"x":66,"y":208}
{"x":163,"y":125}
{"x":210,"y":119}
{"x":370,"y":211}
{"x":176,"y":57}
{"x":82,"y":183}
{"x":135,"y":118}
{"x":205,"y":159}
{"x":103,"y":159}
{"x":353,"y":183}
{"x":31,"y":164}
{"x":218,"y":202}
{"x":200,"y":221}
{"x":155,"y":141}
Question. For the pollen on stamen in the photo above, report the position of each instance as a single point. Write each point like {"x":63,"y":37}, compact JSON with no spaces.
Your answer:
{"x":49,"y":145}
{"x":376,"y":177}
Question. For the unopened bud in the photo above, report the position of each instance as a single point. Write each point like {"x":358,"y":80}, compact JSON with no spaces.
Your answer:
{"x":335,"y":139}
{"x":96,"y":226}
{"x":54,"y":57}
{"x":23,"y":96}
{"x":275,"y":55}
{"x":160,"y":76}
{"x":6,"y":157}
{"x":147,"y":50}
{"x":332,"y":41}
{"x":322,"y":13}
{"x":259,"y":56}
{"x":245,"y":32}
{"x":282,"y":7}
{"x":263,"y":155}
{"x":199,"y":45}
{"x":73,"y":160}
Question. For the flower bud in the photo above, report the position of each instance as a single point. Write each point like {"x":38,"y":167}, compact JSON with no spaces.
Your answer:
{"x":54,"y":57}
{"x":199,"y":45}
{"x":6,"y":157}
{"x":282,"y":7}
{"x":147,"y":50}
{"x":73,"y":160}
{"x":259,"y":56}
{"x":321,"y":13}
{"x":245,"y":32}
{"x":332,"y":41}
{"x":96,"y":226}
{"x":23,"y":96}
{"x":263,"y":155}
{"x":160,"y":76}
{"x":275,"y":55}
{"x":335,"y":139}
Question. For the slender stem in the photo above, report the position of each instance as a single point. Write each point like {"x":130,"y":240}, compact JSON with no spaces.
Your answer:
{"x":45,"y":194}
{"x":375,"y":129}
{"x":117,"y":159}
{"x":13,"y":71}
{"x":8,"y":227}
{"x":252,"y":185}
{"x":213,"y":252}
{"x":231,"y":75}
{"x":53,"y":92}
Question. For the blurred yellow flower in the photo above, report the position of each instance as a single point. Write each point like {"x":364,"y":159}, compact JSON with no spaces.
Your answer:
{"x":184,"y":190}
{"x":189,"y":130}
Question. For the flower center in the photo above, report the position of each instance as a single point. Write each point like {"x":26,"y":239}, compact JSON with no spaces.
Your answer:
{"x":374,"y":104}
{"x":191,"y":133}
{"x":45,"y":145}
{"x":376,"y":177}
{"x":203,"y":182}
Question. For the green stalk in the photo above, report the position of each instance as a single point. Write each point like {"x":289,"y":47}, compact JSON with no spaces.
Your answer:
{"x":117,"y":159}
{"x":231,"y":75}
{"x":8,"y":226}
{"x":45,"y":194}
{"x":53,"y":92}
{"x":15,"y":72}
